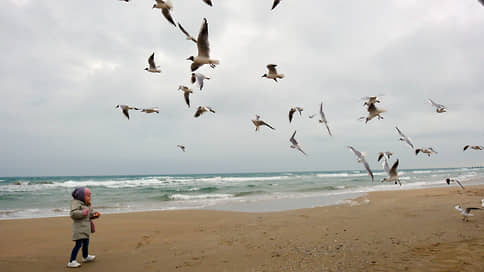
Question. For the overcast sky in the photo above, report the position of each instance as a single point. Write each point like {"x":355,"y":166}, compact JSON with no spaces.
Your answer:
{"x":66,"y":64}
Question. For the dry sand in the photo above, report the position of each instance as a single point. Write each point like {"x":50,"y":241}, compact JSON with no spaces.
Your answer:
{"x":414,"y":230}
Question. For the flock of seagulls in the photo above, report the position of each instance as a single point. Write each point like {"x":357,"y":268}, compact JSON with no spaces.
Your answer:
{"x":203,"y":57}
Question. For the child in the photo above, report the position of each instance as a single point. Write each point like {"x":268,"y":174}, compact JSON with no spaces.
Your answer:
{"x":82,"y":226}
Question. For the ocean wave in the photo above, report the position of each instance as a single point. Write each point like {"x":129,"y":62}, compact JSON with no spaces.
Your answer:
{"x":200,"y":197}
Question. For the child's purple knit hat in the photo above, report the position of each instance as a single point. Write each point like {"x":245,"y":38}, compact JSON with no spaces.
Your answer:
{"x":80,"y":192}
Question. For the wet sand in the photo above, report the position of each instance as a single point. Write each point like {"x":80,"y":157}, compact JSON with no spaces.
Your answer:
{"x":411,"y":230}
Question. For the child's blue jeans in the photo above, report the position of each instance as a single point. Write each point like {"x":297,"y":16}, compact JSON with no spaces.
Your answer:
{"x":85,"y":248}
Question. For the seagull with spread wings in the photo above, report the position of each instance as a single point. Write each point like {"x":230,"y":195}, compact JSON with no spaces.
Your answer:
{"x":474,"y":147}
{"x":404,"y":138}
{"x":257,"y":123}
{"x":198,"y":77}
{"x":453,"y":180}
{"x":466,"y":212}
{"x":439,"y":108}
{"x":203,"y":49}
{"x":186,"y":93}
{"x":202,"y":109}
{"x":272,"y":72}
{"x":153,"y":68}
{"x":361,"y":159}
{"x":392,"y":173}
{"x":323,"y":119}
{"x":293,"y":110}
{"x":295,"y":144}
{"x":125,"y":109}
{"x":151,"y":110}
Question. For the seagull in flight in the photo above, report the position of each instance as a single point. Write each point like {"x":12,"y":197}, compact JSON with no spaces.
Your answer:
{"x":182,"y":147}
{"x":257,"y":123}
{"x":373,"y":112}
{"x":125,"y":109}
{"x":404,"y":138}
{"x":361,"y":159}
{"x":384,"y":155}
{"x":323,"y":119}
{"x":272,"y":72}
{"x":197,"y":77}
{"x":203,"y":49}
{"x":186,"y":93}
{"x":188,"y":36}
{"x":438,"y":107}
{"x":295,"y":144}
{"x":466,"y":212}
{"x":392,"y":173}
{"x":152,"y":65}
{"x":165,"y":7}
{"x":429,"y":151}
{"x":293,"y":110}
{"x":450,"y":180}
{"x":202,"y":109}
{"x":475,"y":147}
{"x":275,"y":3}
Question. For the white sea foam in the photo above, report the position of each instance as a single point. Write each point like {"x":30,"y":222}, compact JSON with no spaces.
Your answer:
{"x":198,"y":197}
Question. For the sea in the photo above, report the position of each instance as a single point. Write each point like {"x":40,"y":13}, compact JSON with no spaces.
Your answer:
{"x":34,"y":197}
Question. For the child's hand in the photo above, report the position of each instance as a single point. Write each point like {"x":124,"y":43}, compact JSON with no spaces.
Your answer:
{"x":85,"y":212}
{"x":97,"y":214}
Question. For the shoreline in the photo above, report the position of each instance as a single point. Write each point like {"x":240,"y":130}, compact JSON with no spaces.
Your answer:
{"x":408,"y":230}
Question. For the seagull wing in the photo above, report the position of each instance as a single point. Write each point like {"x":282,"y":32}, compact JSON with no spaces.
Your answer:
{"x":460,"y":184}
{"x":274,"y":5}
{"x":299,"y":148}
{"x":272,"y":69}
{"x":465,"y":147}
{"x":202,"y":40}
{"x":291,"y":114}
{"x":266,"y":124}
{"x":327,"y":127}
{"x":193,"y":78}
{"x":187,"y":98}
{"x":367,"y":167}
{"x":200,"y":79}
{"x":126,"y":113}
{"x":186,"y":33}
{"x":208,"y":2}
{"x":401,"y":133}
{"x":394,"y":172}
{"x":199,"y":111}
{"x":151,"y":61}
{"x":195,"y":65}
{"x":386,"y":167}
{"x":357,"y":153}
{"x":167,"y":14}
{"x":292,"y":140}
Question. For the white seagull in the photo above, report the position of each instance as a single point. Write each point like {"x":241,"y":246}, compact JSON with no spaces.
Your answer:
{"x":295,"y":144}
{"x":465,"y":212}
{"x":272,"y":72}
{"x":373,"y":112}
{"x":404,"y":138}
{"x":197,"y":77}
{"x":323,"y":119}
{"x":293,"y":110}
{"x":152,"y":65}
{"x":450,"y":180}
{"x":438,"y":107}
{"x":257,"y":123}
{"x":203,"y":49}
{"x":202,"y":109}
{"x":165,"y":7}
{"x":475,"y":147}
{"x":188,"y":36}
{"x":125,"y":109}
{"x":429,"y":151}
{"x":392,"y":173}
{"x":186,"y":93}
{"x":361,"y":159}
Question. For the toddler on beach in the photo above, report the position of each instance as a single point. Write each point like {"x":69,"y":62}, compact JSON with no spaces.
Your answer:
{"x":82,"y":225}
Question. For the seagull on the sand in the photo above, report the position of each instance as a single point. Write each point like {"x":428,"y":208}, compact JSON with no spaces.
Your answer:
{"x":475,"y":147}
{"x":202,"y":109}
{"x":466,"y":212}
{"x":203,"y":49}
{"x":392,"y":174}
{"x":373,"y":112}
{"x":272,"y":72}
{"x":165,"y":7}
{"x":404,"y":138}
{"x":197,"y":77}
{"x":182,"y":147}
{"x":125,"y":109}
{"x":361,"y":159}
{"x":293,"y":110}
{"x":208,"y":2}
{"x":371,"y":100}
{"x":438,"y":107}
{"x":152,"y":65}
{"x":385,"y":155}
{"x":257,"y":123}
{"x":275,"y":3}
{"x":295,"y":144}
{"x":452,"y":180}
{"x":429,"y":151}
{"x":151,"y":110}
{"x":323,"y":119}
{"x":186,"y":93}
{"x":188,"y":36}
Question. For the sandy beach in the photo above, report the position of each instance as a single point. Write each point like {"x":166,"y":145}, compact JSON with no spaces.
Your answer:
{"x":411,"y":230}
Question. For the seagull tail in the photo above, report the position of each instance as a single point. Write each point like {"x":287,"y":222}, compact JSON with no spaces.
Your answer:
{"x":280,"y":75}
